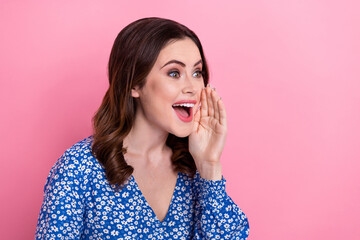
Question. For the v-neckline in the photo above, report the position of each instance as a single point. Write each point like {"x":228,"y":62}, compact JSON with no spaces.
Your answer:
{"x":148,"y":205}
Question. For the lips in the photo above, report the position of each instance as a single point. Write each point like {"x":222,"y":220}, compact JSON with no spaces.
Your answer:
{"x":186,"y":101}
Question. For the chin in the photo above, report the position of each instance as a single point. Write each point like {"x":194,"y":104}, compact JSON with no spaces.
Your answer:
{"x":182,"y":133}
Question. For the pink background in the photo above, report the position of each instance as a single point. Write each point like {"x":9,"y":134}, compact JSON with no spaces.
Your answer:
{"x":288,"y":72}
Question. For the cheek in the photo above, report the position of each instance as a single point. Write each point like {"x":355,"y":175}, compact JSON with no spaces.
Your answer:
{"x":165,"y":95}
{"x":166,"y":91}
{"x":201,"y":84}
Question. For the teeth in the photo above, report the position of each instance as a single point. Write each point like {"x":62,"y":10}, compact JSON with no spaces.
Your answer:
{"x":184,"y":105}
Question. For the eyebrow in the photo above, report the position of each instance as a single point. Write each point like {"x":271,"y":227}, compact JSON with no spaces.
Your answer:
{"x":180,"y":63}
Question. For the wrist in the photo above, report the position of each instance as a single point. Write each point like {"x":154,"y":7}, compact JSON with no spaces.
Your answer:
{"x":210,"y":171}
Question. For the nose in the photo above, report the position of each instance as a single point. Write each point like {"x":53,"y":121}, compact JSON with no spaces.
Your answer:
{"x":189,"y":85}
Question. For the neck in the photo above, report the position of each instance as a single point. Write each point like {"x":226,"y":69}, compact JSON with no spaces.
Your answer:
{"x":146,"y":141}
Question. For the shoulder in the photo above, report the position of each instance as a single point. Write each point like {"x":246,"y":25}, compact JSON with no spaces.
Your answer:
{"x":76,"y":160}
{"x":81,"y":148}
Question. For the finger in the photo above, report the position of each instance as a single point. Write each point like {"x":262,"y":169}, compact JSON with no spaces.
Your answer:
{"x":222,"y":112}
{"x":196,"y":120}
{"x":204,"y":106}
{"x":209,"y":101}
{"x":214,"y":98}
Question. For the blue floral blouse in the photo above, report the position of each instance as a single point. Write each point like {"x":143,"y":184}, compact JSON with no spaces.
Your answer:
{"x":79,"y":203}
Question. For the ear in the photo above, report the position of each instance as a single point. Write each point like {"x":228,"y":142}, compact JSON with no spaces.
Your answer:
{"x":135,"y":92}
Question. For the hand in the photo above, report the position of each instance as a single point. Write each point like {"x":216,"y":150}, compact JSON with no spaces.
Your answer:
{"x":207,"y":140}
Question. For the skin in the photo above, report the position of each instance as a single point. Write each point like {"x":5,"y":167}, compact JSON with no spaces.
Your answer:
{"x":155,"y":119}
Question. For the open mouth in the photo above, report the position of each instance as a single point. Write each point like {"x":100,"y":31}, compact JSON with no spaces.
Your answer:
{"x":184,"y":111}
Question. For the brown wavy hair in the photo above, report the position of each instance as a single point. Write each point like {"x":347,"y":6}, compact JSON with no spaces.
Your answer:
{"x":133,"y":55}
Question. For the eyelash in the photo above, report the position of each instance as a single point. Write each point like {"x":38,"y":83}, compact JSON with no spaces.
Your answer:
{"x":173,"y":72}
{"x":200,"y":73}
{"x":177,"y":72}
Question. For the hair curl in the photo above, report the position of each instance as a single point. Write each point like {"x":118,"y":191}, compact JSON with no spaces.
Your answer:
{"x":133,"y":55}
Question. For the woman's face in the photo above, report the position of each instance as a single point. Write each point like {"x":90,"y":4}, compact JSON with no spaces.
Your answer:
{"x":175,"y":77}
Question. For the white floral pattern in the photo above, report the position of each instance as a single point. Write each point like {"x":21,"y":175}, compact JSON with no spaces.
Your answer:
{"x":79,"y":203}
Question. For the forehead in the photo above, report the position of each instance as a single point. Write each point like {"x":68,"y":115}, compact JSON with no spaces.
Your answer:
{"x":184,"y":50}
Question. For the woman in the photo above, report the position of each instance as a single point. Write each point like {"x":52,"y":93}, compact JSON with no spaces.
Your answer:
{"x":152,"y":168}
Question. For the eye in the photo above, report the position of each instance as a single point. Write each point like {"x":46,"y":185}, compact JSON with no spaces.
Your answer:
{"x":198,"y":74}
{"x":174,"y":74}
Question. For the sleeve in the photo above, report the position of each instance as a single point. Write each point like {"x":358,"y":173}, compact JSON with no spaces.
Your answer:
{"x":62,"y":209}
{"x":216,"y":215}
